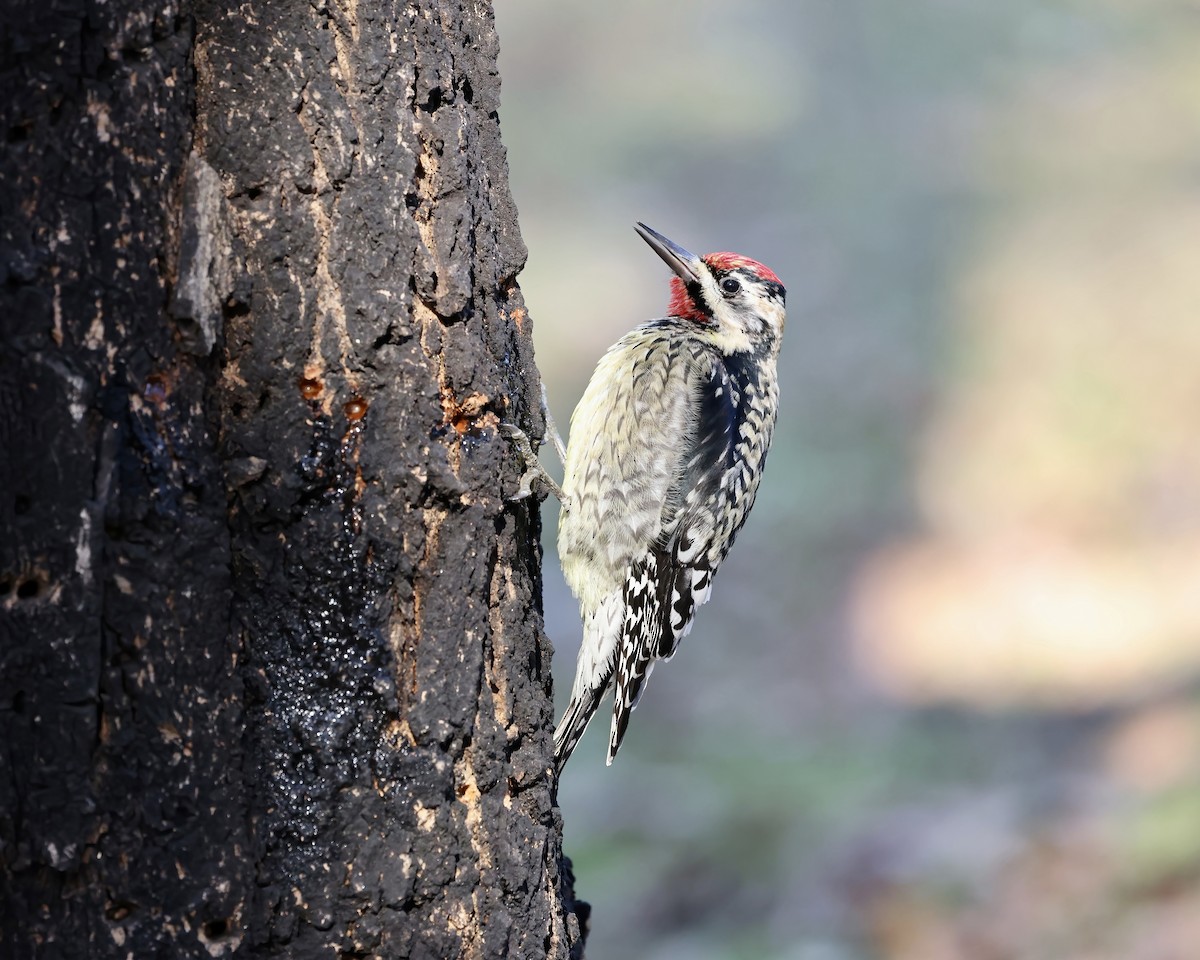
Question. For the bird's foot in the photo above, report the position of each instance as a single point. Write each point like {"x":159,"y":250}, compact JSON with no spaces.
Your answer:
{"x":534,"y":471}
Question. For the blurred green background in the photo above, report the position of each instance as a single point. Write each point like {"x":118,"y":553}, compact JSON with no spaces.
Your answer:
{"x":944,"y":702}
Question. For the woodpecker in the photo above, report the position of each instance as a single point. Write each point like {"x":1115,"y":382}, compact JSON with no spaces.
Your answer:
{"x":666,"y":450}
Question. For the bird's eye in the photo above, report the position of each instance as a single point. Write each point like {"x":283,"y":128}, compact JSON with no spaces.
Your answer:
{"x":730,"y":286}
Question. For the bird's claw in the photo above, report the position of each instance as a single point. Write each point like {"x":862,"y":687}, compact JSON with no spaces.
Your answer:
{"x":534,"y":471}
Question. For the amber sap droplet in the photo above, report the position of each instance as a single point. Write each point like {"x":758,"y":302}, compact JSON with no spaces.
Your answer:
{"x":310,"y":388}
{"x":356,"y":409}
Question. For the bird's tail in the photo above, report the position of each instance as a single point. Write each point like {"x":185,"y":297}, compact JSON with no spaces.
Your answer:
{"x":574,"y":722}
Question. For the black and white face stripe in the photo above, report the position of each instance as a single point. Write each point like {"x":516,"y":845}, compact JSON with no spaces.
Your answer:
{"x":738,"y":302}
{"x":774,"y":291}
{"x":696,"y":293}
{"x":739,"y":281}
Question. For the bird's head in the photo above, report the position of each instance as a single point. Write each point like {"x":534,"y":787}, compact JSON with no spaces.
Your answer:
{"x":736,"y":300}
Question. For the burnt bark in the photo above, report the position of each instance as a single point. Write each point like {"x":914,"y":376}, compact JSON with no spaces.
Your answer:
{"x":273,"y":680}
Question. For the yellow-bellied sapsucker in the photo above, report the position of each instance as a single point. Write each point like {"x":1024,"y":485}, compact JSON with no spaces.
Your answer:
{"x":666,"y":450}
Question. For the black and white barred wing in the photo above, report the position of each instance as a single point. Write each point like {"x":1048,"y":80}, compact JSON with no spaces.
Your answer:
{"x":674,"y":577}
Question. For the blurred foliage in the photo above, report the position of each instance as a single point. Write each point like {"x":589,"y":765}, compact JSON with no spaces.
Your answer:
{"x":942,"y":704}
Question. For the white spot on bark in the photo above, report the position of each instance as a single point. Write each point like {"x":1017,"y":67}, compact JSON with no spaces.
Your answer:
{"x":205,"y":279}
{"x":57,"y":332}
{"x":98,"y":111}
{"x":83,"y":542}
{"x":94,"y":339}
{"x":426,"y":817}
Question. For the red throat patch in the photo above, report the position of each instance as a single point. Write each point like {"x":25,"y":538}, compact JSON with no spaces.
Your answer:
{"x":682,"y":305}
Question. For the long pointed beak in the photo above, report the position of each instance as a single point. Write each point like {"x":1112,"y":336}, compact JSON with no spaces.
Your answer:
{"x":683,"y":262}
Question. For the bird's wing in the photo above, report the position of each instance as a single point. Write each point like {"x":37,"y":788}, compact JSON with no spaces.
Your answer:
{"x":674,"y":576}
{"x":627,"y":437}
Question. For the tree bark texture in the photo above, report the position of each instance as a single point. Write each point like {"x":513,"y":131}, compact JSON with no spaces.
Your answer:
{"x":272,"y":678}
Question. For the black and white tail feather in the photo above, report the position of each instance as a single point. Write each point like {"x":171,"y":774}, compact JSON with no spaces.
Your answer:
{"x":659,"y":600}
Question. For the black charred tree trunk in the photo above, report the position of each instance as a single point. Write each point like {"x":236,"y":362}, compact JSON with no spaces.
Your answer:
{"x":272,"y":674}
